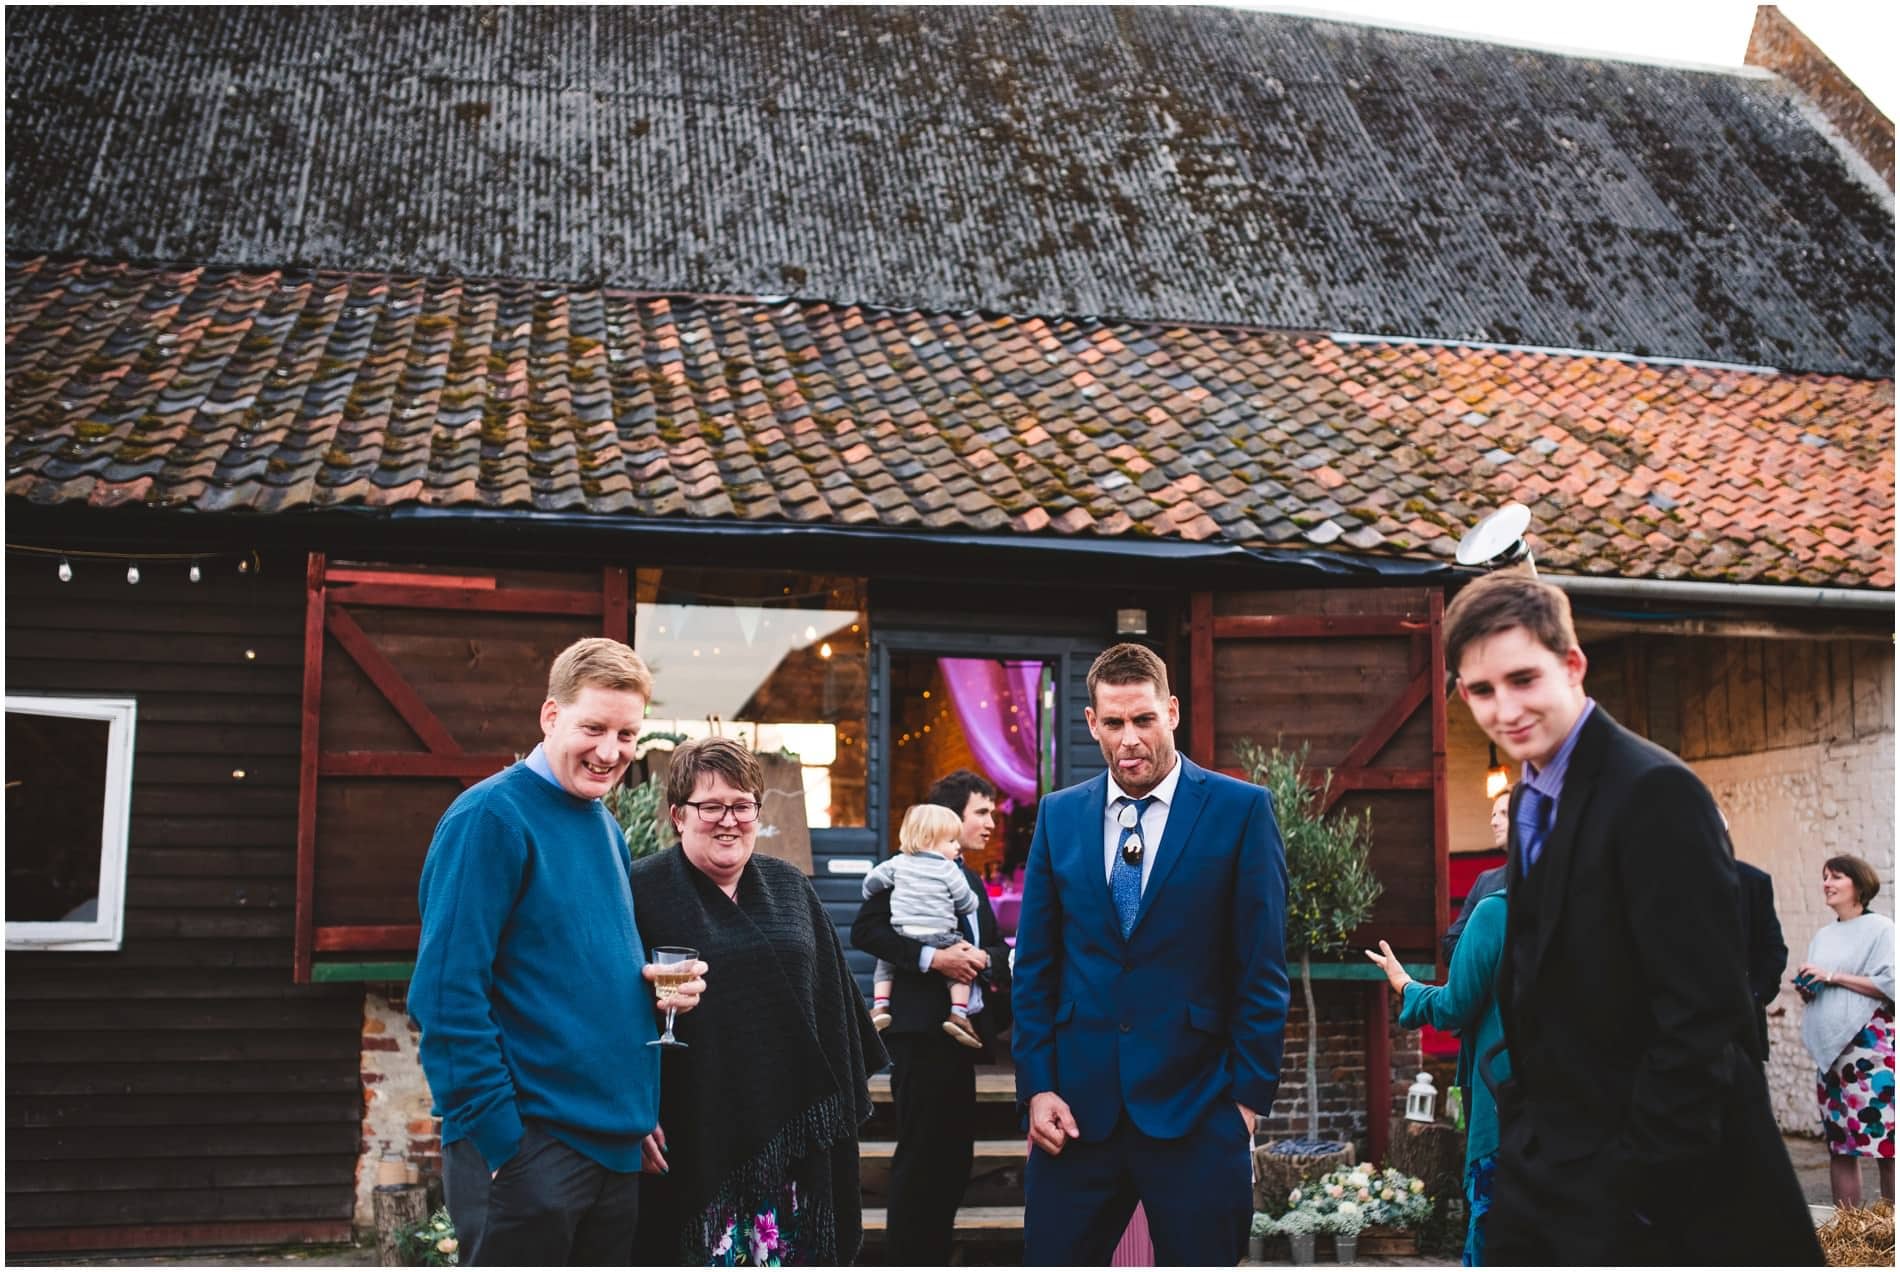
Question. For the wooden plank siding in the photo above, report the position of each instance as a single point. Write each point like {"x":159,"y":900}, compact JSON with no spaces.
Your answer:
{"x":1711,"y":697}
{"x":181,"y":1085}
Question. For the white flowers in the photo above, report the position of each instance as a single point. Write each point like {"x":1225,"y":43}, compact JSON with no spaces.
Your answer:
{"x":1347,"y":1199}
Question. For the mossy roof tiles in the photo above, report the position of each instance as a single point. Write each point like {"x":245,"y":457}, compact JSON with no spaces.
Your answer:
{"x":322,"y":390}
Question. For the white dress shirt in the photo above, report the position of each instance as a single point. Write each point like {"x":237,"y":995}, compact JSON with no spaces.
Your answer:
{"x":1154,"y":822}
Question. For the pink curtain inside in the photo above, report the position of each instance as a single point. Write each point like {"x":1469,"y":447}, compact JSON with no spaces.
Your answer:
{"x":997,"y":705}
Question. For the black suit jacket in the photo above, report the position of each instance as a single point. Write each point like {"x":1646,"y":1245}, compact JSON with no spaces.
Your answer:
{"x":1761,"y":937}
{"x":921,"y":1000}
{"x":1635,"y":1127}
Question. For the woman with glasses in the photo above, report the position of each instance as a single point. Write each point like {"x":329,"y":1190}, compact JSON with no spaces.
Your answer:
{"x":760,"y":1107}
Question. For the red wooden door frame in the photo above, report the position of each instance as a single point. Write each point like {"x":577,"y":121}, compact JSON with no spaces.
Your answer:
{"x":1424,"y":688}
{"x":327,"y":593}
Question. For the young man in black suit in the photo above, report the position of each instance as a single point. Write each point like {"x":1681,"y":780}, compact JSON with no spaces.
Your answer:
{"x":1635,"y":1128}
{"x":933,"y":1078}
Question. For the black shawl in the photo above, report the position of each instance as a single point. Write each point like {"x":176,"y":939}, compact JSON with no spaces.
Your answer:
{"x":772,"y":1086}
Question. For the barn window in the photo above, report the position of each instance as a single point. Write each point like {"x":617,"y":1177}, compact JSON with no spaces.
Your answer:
{"x":69,"y":800}
{"x":778,"y":660}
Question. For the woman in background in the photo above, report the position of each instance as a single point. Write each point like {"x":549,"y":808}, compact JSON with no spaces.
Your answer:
{"x":1847,"y":983}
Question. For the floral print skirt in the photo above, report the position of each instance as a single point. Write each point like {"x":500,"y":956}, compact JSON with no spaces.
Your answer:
{"x":764,"y":1234}
{"x":1857,"y":1093}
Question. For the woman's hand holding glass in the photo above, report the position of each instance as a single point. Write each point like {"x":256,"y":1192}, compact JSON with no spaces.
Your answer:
{"x":683,"y":997}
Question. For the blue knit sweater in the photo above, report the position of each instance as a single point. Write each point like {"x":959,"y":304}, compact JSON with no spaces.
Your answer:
{"x":527,"y":983}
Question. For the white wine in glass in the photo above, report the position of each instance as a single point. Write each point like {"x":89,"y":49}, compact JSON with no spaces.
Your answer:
{"x":676,"y":968}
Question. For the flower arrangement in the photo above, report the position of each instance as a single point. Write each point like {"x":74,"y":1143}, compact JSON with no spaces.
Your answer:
{"x":430,"y":1242}
{"x":1299,"y":1223}
{"x":1355,"y":1197}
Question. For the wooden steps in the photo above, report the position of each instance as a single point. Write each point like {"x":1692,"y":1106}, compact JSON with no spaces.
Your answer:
{"x":1008,"y":1150}
{"x":974,"y":1223}
{"x":993,"y":1086}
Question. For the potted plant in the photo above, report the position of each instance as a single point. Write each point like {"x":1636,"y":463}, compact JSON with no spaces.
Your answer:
{"x":1330,"y":892}
{"x":430,"y":1242}
{"x":1300,"y":1227}
{"x":1257,"y":1234}
{"x":1344,"y":1223}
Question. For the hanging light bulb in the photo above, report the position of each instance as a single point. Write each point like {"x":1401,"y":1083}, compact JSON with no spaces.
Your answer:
{"x":195,"y":574}
{"x":65,"y":570}
{"x":244,"y":566}
{"x":1497,"y":778}
{"x":132,"y":573}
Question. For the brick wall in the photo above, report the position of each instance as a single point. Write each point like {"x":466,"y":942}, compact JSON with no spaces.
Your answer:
{"x":1342,"y":1064}
{"x":1778,"y":45}
{"x":396,"y":1100}
{"x":1789,"y":810}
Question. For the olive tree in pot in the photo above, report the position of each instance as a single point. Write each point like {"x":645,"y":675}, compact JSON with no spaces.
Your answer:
{"x":1330,"y":892}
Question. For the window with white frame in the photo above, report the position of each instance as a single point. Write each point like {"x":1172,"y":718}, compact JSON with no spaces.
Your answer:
{"x":69,"y":803}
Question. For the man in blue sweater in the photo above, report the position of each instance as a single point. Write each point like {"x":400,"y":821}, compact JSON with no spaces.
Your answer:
{"x":528,"y":987}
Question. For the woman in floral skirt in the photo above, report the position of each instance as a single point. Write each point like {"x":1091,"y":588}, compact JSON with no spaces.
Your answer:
{"x":1847,"y":983}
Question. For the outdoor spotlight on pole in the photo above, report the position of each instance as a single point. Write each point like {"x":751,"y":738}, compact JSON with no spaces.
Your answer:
{"x":1497,"y":542}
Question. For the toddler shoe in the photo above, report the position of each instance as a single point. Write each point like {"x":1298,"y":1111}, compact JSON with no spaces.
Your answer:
{"x":960,"y":1028}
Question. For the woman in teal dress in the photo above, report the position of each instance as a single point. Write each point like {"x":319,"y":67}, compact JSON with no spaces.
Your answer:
{"x":1467,"y":1002}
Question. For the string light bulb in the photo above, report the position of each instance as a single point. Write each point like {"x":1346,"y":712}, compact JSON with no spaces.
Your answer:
{"x":195,"y":574}
{"x":65,"y":570}
{"x":132,"y":573}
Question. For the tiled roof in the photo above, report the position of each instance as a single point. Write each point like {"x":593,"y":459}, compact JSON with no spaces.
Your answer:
{"x":1168,"y":164}
{"x":224,"y":390}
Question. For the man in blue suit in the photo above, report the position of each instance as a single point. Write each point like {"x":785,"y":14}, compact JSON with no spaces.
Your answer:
{"x":1150,"y":989}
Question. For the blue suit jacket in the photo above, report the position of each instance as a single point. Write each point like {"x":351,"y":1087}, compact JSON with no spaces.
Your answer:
{"x":1189,"y":1010}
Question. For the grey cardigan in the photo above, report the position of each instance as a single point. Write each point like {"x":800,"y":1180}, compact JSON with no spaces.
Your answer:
{"x":1860,"y":946}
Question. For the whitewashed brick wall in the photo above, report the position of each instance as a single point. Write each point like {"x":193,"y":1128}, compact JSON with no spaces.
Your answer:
{"x":396,"y":1100}
{"x":1789,"y":811}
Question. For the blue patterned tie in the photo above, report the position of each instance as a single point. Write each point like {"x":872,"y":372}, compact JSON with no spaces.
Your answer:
{"x":1533,"y":824}
{"x":1125,"y":880}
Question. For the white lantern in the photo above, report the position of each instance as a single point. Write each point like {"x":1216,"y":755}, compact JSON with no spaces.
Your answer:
{"x":1421,"y":1100}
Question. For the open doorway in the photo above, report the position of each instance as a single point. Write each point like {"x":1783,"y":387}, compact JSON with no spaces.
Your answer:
{"x":994,"y":716}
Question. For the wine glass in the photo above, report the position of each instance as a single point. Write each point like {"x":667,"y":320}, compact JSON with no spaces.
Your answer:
{"x":676,"y":968}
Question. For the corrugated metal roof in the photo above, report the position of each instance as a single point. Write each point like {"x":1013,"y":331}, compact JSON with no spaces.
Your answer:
{"x":1192,"y":165}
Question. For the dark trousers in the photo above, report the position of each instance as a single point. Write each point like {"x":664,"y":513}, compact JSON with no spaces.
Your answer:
{"x":549,"y":1205}
{"x":1197,"y":1191}
{"x":933,"y":1094}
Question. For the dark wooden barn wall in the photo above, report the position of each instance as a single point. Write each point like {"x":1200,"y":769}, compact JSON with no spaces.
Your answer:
{"x":1708,"y":698}
{"x":180,"y":1090}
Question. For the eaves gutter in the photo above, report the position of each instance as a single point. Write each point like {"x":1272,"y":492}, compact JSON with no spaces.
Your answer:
{"x":808,"y":537}
{"x":1600,"y":587}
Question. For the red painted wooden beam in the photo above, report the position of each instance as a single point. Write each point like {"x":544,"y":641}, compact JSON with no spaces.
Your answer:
{"x":1378,"y":1072}
{"x":395,"y":936}
{"x":307,"y":769}
{"x":1270,"y":626}
{"x":506,"y":600}
{"x":409,"y":764}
